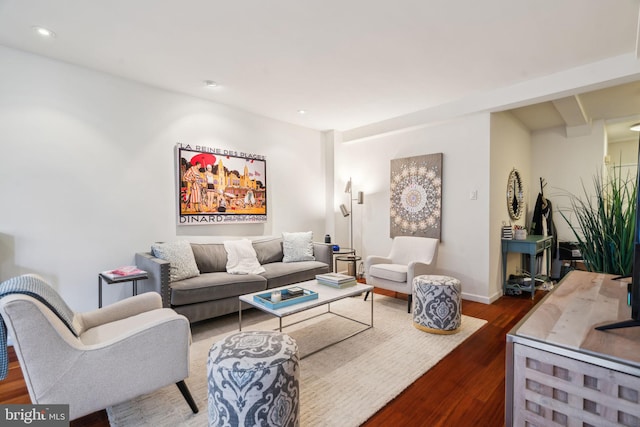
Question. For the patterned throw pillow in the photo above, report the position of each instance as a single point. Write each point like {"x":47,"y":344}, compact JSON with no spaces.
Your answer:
{"x":181,"y":259}
{"x":297,"y":246}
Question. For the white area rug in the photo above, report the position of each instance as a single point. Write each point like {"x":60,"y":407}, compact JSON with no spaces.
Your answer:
{"x":342,"y":385}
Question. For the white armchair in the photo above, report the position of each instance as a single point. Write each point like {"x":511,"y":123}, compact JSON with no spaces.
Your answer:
{"x":410,"y":257}
{"x":124,"y":350}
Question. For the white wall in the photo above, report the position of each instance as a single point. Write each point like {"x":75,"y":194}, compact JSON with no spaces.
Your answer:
{"x":566,"y":163}
{"x":464,"y":143}
{"x":87,"y":174}
{"x":510,"y":149}
{"x":623,"y":159}
{"x":623,"y":152}
{"x":87,"y":171}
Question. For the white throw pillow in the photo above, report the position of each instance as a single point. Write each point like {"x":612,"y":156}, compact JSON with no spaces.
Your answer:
{"x":181,"y":259}
{"x":242,"y":258}
{"x":297,"y":246}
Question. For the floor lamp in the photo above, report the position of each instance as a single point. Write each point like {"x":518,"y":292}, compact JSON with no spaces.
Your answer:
{"x":348,"y":212}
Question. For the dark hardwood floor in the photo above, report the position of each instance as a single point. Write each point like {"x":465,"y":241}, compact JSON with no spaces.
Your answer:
{"x":466,"y":388}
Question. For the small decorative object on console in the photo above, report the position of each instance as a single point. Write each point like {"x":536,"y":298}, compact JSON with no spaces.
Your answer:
{"x":507,"y":231}
{"x":519,"y":233}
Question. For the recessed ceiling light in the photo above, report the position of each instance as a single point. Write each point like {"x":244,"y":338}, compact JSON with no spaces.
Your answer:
{"x":302,"y":111}
{"x":44,"y":32}
{"x":210,"y":83}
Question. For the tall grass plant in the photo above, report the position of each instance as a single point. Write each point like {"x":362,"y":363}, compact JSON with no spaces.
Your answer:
{"x":604,"y":223}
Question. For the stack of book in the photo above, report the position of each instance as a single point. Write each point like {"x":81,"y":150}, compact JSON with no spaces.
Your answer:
{"x":336,"y":280}
{"x":295,"y":291}
{"x":122,"y":272}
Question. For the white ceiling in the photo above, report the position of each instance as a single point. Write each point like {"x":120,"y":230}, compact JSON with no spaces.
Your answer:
{"x":349,"y":63}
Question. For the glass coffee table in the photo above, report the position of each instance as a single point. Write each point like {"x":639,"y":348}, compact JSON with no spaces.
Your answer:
{"x":326,"y":295}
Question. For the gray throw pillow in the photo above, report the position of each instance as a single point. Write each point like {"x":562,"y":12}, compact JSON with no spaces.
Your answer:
{"x":180,"y":256}
{"x":210,"y":257}
{"x":268,"y":250}
{"x":297,"y":246}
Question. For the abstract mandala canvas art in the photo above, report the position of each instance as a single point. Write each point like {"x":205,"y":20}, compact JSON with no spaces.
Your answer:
{"x":416,"y":196}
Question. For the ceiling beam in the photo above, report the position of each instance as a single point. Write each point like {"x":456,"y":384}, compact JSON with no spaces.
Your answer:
{"x":571,"y":110}
{"x":586,"y":78}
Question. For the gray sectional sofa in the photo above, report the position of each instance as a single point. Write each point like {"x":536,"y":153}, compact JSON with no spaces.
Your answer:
{"x":214,"y":292}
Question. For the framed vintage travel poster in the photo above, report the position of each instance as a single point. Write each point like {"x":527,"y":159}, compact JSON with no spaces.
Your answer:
{"x":217,"y":186}
{"x":416,"y":196}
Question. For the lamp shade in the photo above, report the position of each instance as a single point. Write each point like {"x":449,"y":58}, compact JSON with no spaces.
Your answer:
{"x":360,"y":197}
{"x":344,"y":210}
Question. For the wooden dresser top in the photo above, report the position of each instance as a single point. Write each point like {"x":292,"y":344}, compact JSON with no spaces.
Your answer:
{"x":567,"y":317}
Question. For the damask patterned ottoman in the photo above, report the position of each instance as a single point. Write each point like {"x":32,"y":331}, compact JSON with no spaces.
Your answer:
{"x":436,"y":304}
{"x":253,"y":380}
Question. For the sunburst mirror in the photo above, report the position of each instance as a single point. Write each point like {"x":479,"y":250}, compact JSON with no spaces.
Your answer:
{"x":515,"y":195}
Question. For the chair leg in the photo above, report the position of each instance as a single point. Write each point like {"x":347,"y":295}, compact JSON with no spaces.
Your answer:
{"x":187,"y":396}
{"x":409,"y":298}
{"x":366,"y":295}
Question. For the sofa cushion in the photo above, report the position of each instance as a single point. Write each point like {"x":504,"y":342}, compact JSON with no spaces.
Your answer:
{"x":282,"y":274}
{"x":269,"y":250}
{"x":214,"y":286}
{"x":297,"y":246}
{"x":210,"y":257}
{"x":180,"y":257}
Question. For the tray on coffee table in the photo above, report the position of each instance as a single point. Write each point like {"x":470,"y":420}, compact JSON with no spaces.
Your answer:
{"x":286,"y":298}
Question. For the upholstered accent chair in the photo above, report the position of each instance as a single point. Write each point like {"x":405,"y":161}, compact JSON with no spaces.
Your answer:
{"x":104,"y":357}
{"x":409,"y":257}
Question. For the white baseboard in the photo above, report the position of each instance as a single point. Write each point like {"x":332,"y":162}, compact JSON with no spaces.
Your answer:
{"x":478,"y":298}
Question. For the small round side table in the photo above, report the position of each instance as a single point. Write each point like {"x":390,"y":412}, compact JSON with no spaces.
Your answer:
{"x":352,"y":260}
{"x":339,"y":252}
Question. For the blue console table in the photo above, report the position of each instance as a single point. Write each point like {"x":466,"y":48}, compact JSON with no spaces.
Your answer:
{"x":531,"y":246}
